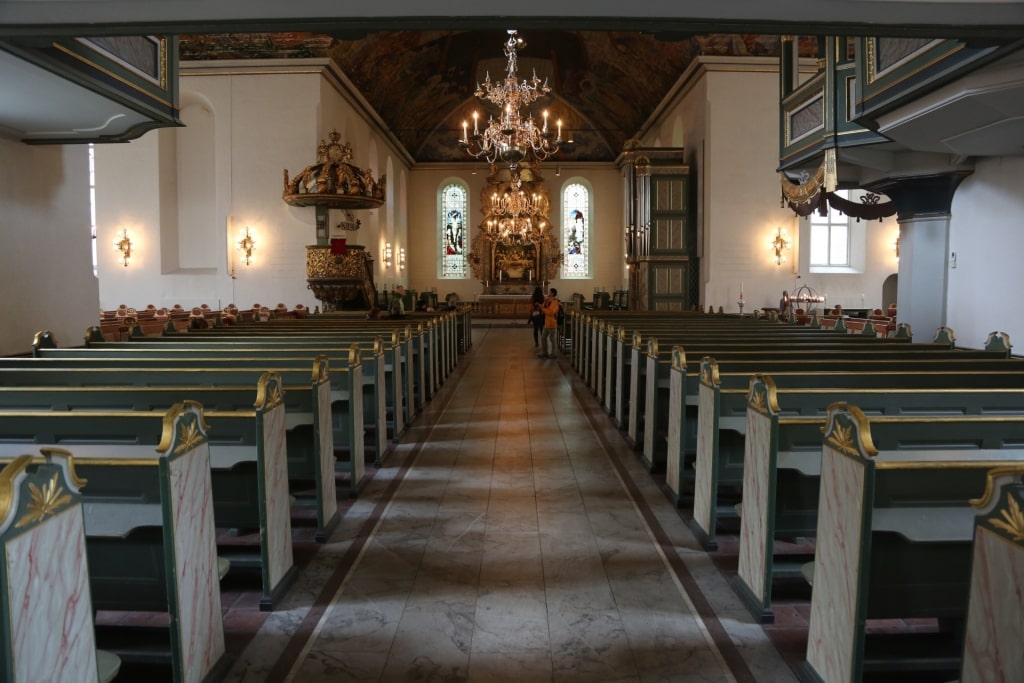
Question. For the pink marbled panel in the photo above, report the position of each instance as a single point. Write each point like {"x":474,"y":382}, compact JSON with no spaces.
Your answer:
{"x":755,"y":543}
{"x":620,"y":382}
{"x":382,"y":421}
{"x":279,"y":557}
{"x":199,"y":621}
{"x":328,"y":486}
{"x":705,"y":498}
{"x":673,"y":467}
{"x":396,"y":384}
{"x":357,"y":441}
{"x":634,"y":394}
{"x":51,"y":611}
{"x":609,"y":373}
{"x":650,"y":407}
{"x":832,"y":628}
{"x":995,"y":626}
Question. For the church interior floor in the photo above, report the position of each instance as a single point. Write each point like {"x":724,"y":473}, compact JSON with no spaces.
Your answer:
{"x":511,"y":535}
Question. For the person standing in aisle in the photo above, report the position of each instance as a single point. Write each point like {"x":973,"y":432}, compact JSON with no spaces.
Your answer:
{"x":537,"y":315}
{"x":549,"y":338}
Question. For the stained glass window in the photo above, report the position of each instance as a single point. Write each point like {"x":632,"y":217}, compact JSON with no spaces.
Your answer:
{"x":576,"y":231}
{"x":454,"y":239}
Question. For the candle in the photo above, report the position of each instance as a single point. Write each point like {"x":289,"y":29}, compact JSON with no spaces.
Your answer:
{"x":545,"y":120}
{"x":476,"y":131}
{"x":559,"y":129}
{"x":465,"y":131}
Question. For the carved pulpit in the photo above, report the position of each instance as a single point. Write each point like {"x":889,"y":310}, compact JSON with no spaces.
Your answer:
{"x":338,"y":272}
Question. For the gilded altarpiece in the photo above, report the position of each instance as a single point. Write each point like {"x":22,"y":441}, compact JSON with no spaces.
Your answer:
{"x":508,"y":262}
{"x":661,"y":239}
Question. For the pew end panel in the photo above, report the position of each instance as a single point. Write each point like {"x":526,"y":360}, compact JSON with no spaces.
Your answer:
{"x":49,"y":636}
{"x":705,"y":482}
{"x":995,"y":628}
{"x":676,"y":439}
{"x":900,"y":556}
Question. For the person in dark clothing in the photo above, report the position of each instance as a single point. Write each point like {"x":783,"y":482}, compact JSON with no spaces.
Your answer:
{"x":536,"y":315}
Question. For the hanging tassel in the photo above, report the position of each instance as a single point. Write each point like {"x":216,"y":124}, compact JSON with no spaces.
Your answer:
{"x":831,"y":173}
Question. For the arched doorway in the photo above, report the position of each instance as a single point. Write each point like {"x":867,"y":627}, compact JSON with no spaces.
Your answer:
{"x":889,"y":288}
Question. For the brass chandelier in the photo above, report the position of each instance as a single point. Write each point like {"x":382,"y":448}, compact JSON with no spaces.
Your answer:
{"x":511,"y":137}
{"x":516,"y":216}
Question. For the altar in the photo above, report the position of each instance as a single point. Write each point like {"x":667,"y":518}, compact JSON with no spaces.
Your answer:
{"x":502,"y":306}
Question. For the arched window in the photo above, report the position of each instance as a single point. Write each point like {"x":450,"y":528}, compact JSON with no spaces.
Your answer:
{"x":576,"y":231}
{"x":454,"y":238}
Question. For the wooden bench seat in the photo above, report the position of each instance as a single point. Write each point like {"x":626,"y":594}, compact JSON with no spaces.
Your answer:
{"x":247,"y":459}
{"x":384,"y":382}
{"x":724,"y":416}
{"x":311,"y":465}
{"x":344,"y":372}
{"x":177,"y":562}
{"x":781,"y":476}
{"x":863,"y":572}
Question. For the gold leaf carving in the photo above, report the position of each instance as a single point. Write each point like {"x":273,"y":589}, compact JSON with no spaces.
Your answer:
{"x":1014,"y":524}
{"x":841,"y":439}
{"x":188,"y":437}
{"x":45,"y":501}
{"x":758,"y":403}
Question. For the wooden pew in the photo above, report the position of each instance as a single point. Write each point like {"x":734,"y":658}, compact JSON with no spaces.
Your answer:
{"x":159,"y":554}
{"x":400,"y":353}
{"x":49,"y":635}
{"x":880,"y":555}
{"x":995,"y":630}
{"x":356,"y":375}
{"x":247,"y":453}
{"x":782,"y":466}
{"x":684,"y":407}
{"x":382,"y":363}
{"x":724,"y":417}
{"x":310,"y":454}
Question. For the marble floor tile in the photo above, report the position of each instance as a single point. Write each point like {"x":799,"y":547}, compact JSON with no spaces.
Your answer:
{"x":512,"y":535}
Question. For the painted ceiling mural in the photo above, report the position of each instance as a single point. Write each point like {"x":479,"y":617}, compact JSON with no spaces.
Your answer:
{"x":605,"y":85}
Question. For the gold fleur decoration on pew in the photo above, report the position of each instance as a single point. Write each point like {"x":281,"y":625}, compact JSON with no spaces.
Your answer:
{"x":1014,"y":524}
{"x":841,"y":439}
{"x":45,"y":501}
{"x":188,"y":436}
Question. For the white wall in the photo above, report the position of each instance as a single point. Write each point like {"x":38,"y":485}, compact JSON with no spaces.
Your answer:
{"x":46,"y":262}
{"x":987,"y":233}
{"x":727,"y":109}
{"x":265,"y":119}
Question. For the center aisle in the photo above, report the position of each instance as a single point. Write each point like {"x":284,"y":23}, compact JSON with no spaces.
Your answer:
{"x":511,"y":536}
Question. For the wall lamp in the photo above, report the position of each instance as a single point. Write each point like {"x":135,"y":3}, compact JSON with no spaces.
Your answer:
{"x":123,"y":245}
{"x":780,"y":244}
{"x":388,"y":254}
{"x":246,"y":245}
{"x":897,"y":246}
{"x":401,"y":258}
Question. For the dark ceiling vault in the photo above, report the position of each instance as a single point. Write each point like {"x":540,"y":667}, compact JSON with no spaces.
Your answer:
{"x":605,"y":85}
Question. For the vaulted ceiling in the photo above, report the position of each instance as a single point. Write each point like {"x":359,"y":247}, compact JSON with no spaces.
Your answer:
{"x":605,"y":85}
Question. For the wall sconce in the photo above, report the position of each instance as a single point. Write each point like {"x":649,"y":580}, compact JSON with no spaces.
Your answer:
{"x":246,"y":245}
{"x":780,"y":244}
{"x":401,"y":258}
{"x":123,"y":244}
{"x":896,"y":245}
{"x":388,"y":253}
